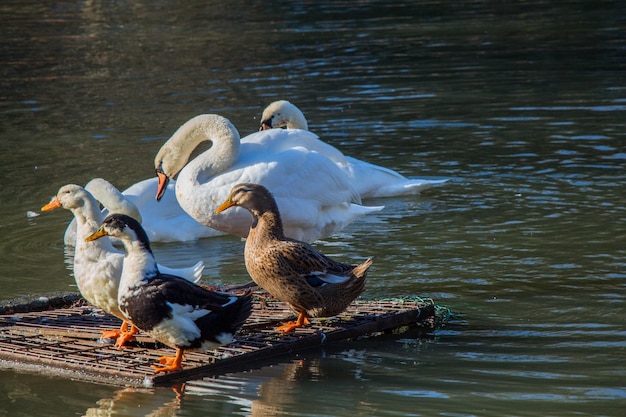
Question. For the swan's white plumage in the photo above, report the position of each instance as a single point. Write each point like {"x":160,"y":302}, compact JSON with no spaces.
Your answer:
{"x":163,"y":221}
{"x":314,"y":196}
{"x":368,"y":179}
{"x":97,"y":264}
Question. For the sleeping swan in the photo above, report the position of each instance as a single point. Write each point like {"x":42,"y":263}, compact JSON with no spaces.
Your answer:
{"x":369,"y":180}
{"x":165,"y":221}
{"x":314,"y":196}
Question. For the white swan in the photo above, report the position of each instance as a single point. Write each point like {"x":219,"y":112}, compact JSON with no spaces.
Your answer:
{"x":98,"y":265}
{"x":369,"y":180}
{"x":164,"y":221}
{"x":315,"y":198}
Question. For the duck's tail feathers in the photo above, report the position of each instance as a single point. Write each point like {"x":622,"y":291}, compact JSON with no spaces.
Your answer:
{"x":361,"y":270}
{"x":240,"y":310}
{"x":338,"y":297}
{"x":353,"y":287}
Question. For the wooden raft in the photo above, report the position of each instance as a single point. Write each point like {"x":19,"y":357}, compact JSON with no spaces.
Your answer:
{"x":65,"y":341}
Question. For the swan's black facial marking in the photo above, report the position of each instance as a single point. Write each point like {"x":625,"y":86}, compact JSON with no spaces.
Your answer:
{"x":159,"y":169}
{"x":267,"y":123}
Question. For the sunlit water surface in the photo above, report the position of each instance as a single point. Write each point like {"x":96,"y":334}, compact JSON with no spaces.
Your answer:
{"x":521,"y":106}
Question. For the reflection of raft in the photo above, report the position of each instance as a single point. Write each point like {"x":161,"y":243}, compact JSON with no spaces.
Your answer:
{"x":64,"y":341}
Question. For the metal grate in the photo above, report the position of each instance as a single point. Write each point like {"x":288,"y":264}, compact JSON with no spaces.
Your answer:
{"x":66,"y":341}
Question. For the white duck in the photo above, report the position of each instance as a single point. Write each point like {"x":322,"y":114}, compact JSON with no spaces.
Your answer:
{"x":369,"y":180}
{"x":314,"y":195}
{"x":98,"y":265}
{"x":163,"y":221}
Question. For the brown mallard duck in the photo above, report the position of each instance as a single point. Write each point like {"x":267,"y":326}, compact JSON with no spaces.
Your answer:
{"x":293,"y":271}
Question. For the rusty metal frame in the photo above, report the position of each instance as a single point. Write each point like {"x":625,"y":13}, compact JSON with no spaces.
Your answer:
{"x":66,"y":341}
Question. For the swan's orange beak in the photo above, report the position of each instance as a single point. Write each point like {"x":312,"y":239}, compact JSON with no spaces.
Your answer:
{"x":97,"y":235}
{"x":226,"y":204}
{"x":265,"y":124}
{"x":163,"y":181}
{"x":55,"y":203}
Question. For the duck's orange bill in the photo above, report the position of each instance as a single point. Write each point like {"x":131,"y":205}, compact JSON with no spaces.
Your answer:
{"x":226,"y":204}
{"x":97,"y":235}
{"x":55,"y":203}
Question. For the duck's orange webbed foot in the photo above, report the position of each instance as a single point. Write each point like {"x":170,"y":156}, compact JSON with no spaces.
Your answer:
{"x":110,"y":334}
{"x":114,"y":334}
{"x":125,"y":337}
{"x":170,"y":363}
{"x":288,"y":327}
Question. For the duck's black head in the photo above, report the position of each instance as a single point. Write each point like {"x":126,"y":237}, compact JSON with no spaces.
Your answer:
{"x":124,"y":228}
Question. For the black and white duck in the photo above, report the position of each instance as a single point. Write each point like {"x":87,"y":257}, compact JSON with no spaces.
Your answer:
{"x":174,"y":311}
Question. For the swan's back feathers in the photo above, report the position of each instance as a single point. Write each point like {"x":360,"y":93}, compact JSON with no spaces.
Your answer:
{"x":369,"y":180}
{"x":313,"y":194}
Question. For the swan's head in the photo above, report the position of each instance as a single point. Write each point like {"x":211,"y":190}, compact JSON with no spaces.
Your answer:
{"x":253,"y":197}
{"x":122,"y":227}
{"x":282,"y":114}
{"x":167,"y":165}
{"x":69,"y":197}
{"x":175,"y":153}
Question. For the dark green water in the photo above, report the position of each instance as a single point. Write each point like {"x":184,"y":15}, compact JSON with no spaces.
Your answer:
{"x":523,"y":106}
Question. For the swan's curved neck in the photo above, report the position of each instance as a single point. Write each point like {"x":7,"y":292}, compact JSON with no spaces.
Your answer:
{"x":224,"y":151}
{"x":112,"y":198}
{"x":88,"y":219}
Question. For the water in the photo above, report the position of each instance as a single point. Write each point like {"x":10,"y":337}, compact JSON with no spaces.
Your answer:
{"x":522,"y":106}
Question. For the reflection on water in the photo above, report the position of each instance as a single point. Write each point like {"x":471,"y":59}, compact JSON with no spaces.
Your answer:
{"x":138,"y":402}
{"x":522,"y":105}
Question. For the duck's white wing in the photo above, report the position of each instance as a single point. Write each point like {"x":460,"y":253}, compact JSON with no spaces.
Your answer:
{"x":97,"y":271}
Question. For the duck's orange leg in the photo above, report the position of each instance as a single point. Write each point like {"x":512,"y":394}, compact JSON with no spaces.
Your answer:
{"x":302,"y":321}
{"x":114,"y":334}
{"x":126,"y":336}
{"x":170,"y":363}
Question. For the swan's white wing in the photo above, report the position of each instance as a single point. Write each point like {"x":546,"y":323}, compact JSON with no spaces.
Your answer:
{"x":370,"y":180}
{"x":313,"y":195}
{"x":276,"y":140}
{"x":376,"y":181}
